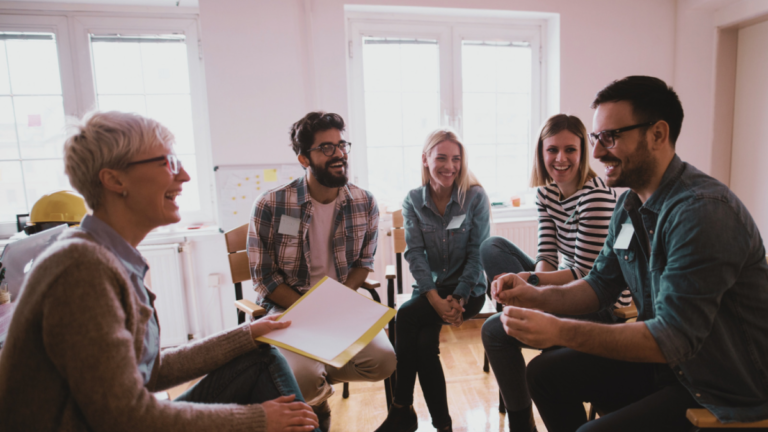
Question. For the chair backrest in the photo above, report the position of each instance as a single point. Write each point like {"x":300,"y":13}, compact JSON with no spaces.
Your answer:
{"x":237,"y":243}
{"x":398,"y":233}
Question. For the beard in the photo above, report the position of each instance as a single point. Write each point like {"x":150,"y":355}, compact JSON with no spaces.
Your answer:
{"x":636,"y":169}
{"x":324,"y":176}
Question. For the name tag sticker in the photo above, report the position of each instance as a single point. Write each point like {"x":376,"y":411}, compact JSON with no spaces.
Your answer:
{"x":289,"y":226}
{"x":456,"y":222}
{"x":624,"y":237}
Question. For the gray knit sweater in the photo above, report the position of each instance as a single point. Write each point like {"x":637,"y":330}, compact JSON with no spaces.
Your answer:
{"x":69,"y":362}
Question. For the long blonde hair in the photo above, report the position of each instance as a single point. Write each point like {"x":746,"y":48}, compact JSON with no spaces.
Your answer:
{"x":466,"y":179}
{"x":553,"y":126}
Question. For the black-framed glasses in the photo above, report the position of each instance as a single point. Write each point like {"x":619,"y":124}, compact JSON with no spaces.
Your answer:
{"x":608,"y":137}
{"x":174,"y":164}
{"x":330,"y":148}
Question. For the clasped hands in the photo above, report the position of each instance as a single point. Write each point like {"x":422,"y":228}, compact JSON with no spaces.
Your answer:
{"x":449,"y":309}
{"x":520,"y":317}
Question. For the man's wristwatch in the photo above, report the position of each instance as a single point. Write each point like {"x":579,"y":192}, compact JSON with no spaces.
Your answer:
{"x":533,"y":280}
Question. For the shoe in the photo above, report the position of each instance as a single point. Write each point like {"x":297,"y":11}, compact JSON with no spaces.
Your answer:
{"x":521,"y":421}
{"x":400,"y":419}
{"x":323,"y":413}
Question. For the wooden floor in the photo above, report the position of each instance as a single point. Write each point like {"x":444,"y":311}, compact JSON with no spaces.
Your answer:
{"x":473,"y":395}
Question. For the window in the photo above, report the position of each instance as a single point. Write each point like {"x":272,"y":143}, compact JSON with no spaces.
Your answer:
{"x":31,"y":121}
{"x":410,"y":74}
{"x":151,"y":66}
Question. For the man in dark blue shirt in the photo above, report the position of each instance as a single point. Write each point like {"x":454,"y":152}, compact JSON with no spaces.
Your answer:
{"x":693,"y":258}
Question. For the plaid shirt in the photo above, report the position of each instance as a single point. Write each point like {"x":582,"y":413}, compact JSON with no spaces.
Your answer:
{"x":279,"y":258}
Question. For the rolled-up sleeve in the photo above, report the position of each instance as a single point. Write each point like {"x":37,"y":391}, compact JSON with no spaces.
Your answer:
{"x":370,"y":239}
{"x":415,"y":252}
{"x":480,"y":231}
{"x":706,"y":245}
{"x":265,"y":272}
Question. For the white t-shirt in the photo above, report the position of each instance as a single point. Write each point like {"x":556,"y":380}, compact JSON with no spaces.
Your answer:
{"x":320,"y":235}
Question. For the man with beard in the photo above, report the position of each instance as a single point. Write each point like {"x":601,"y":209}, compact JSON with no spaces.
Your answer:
{"x":316,"y":226}
{"x":695,"y":263}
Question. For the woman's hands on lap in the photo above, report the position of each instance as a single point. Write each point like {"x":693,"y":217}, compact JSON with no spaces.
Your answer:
{"x":284,"y":414}
{"x":448,"y":309}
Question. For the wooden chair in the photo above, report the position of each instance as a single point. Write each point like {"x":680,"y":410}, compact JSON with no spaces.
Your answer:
{"x":703,"y":419}
{"x":237,"y":243}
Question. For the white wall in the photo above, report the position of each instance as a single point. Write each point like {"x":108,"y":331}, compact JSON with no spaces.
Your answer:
{"x":268,"y":63}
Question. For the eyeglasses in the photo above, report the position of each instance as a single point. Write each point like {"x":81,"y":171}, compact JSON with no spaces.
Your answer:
{"x":608,"y":137}
{"x":330,"y":148}
{"x":174,"y":164}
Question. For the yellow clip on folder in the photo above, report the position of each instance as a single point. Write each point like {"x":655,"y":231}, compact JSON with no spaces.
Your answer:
{"x":330,"y":323}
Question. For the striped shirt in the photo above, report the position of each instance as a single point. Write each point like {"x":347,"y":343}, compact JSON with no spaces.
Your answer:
{"x":576,"y":227}
{"x":278,"y":256}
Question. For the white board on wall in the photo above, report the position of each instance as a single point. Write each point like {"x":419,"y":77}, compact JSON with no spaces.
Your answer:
{"x":238,"y":186}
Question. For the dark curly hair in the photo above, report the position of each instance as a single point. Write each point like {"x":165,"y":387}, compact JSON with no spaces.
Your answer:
{"x":651,"y":99}
{"x":303,"y":131}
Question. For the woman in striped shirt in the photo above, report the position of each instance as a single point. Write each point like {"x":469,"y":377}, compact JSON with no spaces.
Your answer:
{"x":575,"y":208}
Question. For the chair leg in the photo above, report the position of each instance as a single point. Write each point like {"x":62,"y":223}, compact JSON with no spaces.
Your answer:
{"x":388,"y":392}
{"x":502,"y":406}
{"x":486,"y":365}
{"x":345,"y":393}
{"x":592,"y":413}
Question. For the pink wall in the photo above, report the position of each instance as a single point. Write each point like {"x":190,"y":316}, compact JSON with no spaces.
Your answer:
{"x":261,"y":78}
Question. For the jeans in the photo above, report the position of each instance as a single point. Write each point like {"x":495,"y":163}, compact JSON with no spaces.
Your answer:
{"x":418,"y":352}
{"x":498,"y":256}
{"x":255,"y":377}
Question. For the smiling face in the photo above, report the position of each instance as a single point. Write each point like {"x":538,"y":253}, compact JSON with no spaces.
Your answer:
{"x":443,"y":163}
{"x":562,"y":154}
{"x":630,"y":163}
{"x":152,"y":189}
{"x":329,"y":171}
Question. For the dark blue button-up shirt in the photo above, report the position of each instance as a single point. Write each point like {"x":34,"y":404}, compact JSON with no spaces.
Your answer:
{"x":136,"y":268}
{"x":700,"y":282}
{"x":439,"y":257}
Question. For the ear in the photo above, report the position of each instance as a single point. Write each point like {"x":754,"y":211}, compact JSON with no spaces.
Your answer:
{"x":112,"y":180}
{"x":424,"y":160}
{"x":659,"y":134}
{"x":304,"y":161}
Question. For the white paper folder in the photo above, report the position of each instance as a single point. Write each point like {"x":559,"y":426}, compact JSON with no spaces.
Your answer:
{"x":330,"y":323}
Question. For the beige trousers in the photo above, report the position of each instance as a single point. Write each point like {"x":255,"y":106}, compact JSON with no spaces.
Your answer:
{"x":375,"y":362}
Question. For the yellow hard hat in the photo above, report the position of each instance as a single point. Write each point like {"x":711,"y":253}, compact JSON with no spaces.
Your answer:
{"x":60,"y":206}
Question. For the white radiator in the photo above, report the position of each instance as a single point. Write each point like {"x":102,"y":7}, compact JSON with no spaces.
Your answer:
{"x":521,"y":233}
{"x":170,"y":280}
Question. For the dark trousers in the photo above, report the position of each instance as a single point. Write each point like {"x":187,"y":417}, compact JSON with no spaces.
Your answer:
{"x":418,"y":352}
{"x":635,"y":396}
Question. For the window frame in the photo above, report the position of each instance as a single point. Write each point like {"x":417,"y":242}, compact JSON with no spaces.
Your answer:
{"x":72,"y":29}
{"x":539,"y":29}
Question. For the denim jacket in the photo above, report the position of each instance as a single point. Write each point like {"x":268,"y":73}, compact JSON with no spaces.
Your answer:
{"x":700,"y":282}
{"x":439,"y":257}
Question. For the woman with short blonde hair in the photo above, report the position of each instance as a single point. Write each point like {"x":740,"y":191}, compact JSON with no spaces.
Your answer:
{"x":83,"y":350}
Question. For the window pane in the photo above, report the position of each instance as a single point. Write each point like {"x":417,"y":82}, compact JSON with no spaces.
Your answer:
{"x":9,"y":149}
{"x":11,"y":191}
{"x":165,"y":68}
{"x":5,"y":79}
{"x":44,"y":176}
{"x":175,"y":113}
{"x":34,"y":66}
{"x":496,"y":83}
{"x":125,"y":103}
{"x":40,"y":124}
{"x":190,"y":194}
{"x":117,"y":68}
{"x":402,"y":106}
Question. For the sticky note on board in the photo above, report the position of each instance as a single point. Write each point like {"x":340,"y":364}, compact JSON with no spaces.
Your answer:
{"x":270,"y":175}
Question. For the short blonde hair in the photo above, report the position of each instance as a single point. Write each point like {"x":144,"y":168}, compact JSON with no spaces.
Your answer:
{"x":553,"y":126}
{"x":108,"y":140}
{"x":466,"y":179}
